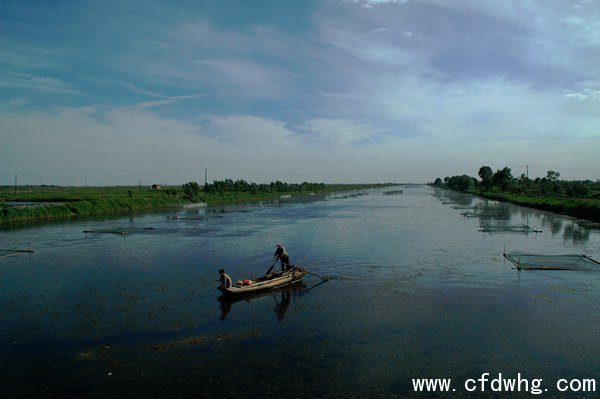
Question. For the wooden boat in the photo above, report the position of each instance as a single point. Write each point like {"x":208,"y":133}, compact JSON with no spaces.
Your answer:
{"x":269,"y":281}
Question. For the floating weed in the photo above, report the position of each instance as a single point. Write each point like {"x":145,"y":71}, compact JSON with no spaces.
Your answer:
{"x":563,"y":288}
{"x":542,"y":296}
{"x":187,"y":341}
{"x":100,"y":352}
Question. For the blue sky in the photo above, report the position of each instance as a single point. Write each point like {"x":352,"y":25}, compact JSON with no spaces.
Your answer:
{"x":118,"y":92}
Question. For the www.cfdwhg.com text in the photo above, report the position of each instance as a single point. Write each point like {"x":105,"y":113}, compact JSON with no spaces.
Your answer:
{"x":489,"y":383}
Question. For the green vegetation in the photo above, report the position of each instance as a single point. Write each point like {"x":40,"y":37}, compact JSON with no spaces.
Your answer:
{"x":240,"y":190}
{"x":253,"y":188}
{"x":575,"y":198}
{"x":227,"y":191}
{"x":44,"y":202}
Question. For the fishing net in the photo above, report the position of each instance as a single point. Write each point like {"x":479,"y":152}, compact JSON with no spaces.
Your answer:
{"x":516,"y":228}
{"x":552,"y":262}
{"x":118,"y":230}
{"x":482,"y":215}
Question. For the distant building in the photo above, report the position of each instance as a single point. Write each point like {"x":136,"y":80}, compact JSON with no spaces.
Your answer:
{"x":156,"y":187}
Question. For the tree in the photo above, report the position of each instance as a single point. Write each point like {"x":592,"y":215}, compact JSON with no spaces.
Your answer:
{"x":191,"y":189}
{"x":486,"y":173}
{"x":465,"y":182}
{"x":461,"y":183}
{"x":552,"y":175}
{"x":502,"y":179}
{"x":580,"y":190}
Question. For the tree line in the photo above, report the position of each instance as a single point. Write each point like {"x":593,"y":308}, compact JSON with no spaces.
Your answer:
{"x":503,"y":181}
{"x":193,"y":189}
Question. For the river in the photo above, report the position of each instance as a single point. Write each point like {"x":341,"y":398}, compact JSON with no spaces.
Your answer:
{"x":412,"y":289}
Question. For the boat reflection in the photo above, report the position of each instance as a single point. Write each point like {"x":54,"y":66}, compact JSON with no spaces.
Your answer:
{"x":282,"y":297}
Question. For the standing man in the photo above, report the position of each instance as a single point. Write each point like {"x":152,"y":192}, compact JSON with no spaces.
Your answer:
{"x":282,"y":255}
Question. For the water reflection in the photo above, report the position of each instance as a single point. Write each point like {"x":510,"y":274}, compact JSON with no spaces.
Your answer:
{"x":495,"y":215}
{"x":576,"y":233}
{"x":282,"y":297}
{"x":454,"y":198}
{"x":282,"y":305}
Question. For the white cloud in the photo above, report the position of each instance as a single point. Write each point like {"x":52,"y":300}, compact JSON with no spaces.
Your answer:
{"x":121,"y":145}
{"x":373,"y":3}
{"x":586,"y":94}
{"x":101,"y":145}
{"x":250,"y":133}
{"x":334,"y":133}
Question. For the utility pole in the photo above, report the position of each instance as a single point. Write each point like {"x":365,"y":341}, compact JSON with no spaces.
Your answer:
{"x":205,"y":176}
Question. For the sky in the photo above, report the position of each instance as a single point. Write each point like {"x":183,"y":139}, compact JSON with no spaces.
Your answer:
{"x":335,"y":91}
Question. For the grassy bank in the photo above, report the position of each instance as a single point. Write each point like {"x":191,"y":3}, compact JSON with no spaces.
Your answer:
{"x":46,"y":202}
{"x":583,"y":208}
{"x":83,"y":207}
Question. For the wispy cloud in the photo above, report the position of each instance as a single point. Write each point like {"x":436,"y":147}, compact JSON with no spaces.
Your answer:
{"x":250,"y":78}
{"x":586,"y":94}
{"x":36,"y":83}
{"x":17,"y":102}
{"x":27,"y":57}
{"x":373,"y":3}
{"x":251,"y":133}
{"x":333,"y":133}
{"x":128,"y":86}
{"x":166,"y":101}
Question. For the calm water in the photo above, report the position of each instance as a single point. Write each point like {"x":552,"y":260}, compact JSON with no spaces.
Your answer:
{"x":414,"y":291}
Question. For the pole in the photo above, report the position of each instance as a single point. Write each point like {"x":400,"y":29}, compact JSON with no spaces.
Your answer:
{"x":205,"y":176}
{"x":527,"y":166}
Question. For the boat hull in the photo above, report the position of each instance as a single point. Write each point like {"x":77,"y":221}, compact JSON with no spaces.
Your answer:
{"x":268,"y":282}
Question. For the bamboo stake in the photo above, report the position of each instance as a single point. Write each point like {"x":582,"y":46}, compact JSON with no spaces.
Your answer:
{"x":14,"y":252}
{"x":593,"y":260}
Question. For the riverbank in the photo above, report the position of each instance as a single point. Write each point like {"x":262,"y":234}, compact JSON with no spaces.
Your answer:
{"x":583,"y":208}
{"x":40,"y":211}
{"x":53,"y":202}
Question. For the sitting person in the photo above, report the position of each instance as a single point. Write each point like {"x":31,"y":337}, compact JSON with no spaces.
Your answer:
{"x":225,"y":280}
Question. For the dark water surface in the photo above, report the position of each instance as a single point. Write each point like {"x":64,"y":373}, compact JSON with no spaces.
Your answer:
{"x":415,"y":291}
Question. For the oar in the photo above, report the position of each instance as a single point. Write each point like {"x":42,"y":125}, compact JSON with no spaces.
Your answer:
{"x":13,"y":252}
{"x":318,"y":284}
{"x":17,"y":250}
{"x":270,"y":268}
{"x":316,"y":275}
